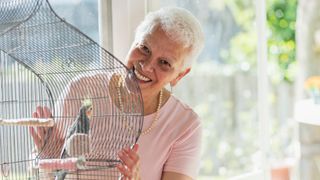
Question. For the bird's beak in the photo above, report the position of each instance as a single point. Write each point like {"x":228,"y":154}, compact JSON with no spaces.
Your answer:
{"x":89,"y":112}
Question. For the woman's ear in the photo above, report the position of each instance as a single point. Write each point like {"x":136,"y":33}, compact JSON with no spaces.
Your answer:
{"x":180,"y":76}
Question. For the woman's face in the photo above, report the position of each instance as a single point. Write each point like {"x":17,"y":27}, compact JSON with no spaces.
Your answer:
{"x":157,"y":61}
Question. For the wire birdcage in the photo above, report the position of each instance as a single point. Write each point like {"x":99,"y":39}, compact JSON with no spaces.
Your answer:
{"x":95,"y":102}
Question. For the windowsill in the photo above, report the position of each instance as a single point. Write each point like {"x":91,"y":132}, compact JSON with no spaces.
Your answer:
{"x":305,"y":111}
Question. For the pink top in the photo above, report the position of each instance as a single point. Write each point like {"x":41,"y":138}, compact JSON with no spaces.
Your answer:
{"x":173,"y":145}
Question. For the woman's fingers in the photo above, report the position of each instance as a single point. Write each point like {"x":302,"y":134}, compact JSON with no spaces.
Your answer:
{"x":129,"y":158}
{"x":133,"y":155}
{"x":39,"y":111}
{"x":39,"y":134}
{"x":34,"y":133}
{"x":135,"y":147}
{"x":131,"y":162}
{"x":43,"y":112}
{"x":35,"y":137}
{"x":46,"y":112}
{"x":124,"y":171}
{"x":35,"y":115}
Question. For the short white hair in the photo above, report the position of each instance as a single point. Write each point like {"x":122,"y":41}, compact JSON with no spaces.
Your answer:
{"x":179,"y":25}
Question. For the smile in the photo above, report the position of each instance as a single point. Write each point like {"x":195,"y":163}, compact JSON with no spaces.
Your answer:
{"x":141,"y":77}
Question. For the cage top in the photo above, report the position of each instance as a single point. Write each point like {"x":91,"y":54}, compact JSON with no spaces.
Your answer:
{"x":15,"y":12}
{"x":33,"y":36}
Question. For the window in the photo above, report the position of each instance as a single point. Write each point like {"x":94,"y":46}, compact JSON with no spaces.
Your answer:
{"x":227,"y":101}
{"x":83,"y":14}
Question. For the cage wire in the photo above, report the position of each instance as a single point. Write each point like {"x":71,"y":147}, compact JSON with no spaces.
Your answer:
{"x":95,"y":102}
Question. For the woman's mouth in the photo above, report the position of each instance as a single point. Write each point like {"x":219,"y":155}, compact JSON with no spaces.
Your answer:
{"x":141,"y":77}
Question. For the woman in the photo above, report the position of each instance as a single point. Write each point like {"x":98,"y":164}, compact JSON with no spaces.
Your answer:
{"x":165,"y":44}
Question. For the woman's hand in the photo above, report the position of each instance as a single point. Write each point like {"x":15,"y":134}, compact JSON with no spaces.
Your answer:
{"x":130,"y":167}
{"x":39,"y":134}
{"x":46,"y":146}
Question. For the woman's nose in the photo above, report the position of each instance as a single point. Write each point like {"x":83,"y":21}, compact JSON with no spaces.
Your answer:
{"x":147,"y":65}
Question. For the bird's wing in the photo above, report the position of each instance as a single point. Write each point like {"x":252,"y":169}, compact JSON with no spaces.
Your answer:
{"x":72,"y":129}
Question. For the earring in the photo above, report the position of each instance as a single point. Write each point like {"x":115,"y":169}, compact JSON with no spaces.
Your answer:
{"x":171,"y":87}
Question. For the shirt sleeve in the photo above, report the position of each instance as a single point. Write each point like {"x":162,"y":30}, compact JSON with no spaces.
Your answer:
{"x":184,"y":157}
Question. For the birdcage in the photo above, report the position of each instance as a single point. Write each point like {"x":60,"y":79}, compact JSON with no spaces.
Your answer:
{"x":94,"y":101}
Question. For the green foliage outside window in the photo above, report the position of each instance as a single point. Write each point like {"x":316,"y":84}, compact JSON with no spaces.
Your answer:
{"x":282,"y":46}
{"x":281,"y":19}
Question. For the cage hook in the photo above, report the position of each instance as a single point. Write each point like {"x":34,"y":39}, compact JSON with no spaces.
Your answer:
{"x":5,"y":168}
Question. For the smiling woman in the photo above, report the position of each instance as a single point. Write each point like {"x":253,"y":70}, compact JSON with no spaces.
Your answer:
{"x":157,"y":61}
{"x":165,"y":45}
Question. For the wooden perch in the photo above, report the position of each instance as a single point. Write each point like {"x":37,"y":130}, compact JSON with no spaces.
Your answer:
{"x":65,"y":164}
{"x":40,"y":122}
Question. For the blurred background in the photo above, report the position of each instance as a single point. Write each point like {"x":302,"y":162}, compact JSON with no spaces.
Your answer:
{"x":223,"y":85}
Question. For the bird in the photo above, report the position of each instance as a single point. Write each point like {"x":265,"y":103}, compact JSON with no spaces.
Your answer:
{"x":80,"y":125}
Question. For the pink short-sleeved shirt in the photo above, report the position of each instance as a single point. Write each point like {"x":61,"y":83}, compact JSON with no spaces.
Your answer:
{"x":173,"y":145}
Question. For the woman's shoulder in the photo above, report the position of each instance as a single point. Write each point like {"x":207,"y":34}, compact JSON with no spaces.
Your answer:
{"x":181,"y":120}
{"x":176,"y":102}
{"x":180,"y":109}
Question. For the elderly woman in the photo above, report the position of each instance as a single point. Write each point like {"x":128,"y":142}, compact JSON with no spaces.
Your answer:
{"x":165,"y":45}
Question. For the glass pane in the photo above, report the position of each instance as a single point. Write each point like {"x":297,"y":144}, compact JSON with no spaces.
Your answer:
{"x":222,"y":86}
{"x":82,"y":14}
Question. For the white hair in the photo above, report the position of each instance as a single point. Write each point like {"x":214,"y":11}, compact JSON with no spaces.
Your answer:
{"x":179,"y":25}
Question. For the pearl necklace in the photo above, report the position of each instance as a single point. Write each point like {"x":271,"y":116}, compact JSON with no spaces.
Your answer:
{"x":156,"y":117}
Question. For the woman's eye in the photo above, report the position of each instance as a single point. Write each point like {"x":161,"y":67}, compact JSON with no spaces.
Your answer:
{"x":144,"y":49}
{"x":164,"y":62}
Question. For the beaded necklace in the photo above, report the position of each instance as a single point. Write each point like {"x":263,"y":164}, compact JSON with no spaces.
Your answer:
{"x":156,"y":117}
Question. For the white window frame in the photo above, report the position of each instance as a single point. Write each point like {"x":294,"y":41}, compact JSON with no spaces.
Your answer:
{"x":263,"y":87}
{"x":125,"y":15}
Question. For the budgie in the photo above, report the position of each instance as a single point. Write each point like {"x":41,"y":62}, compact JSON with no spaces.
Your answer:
{"x":80,"y":125}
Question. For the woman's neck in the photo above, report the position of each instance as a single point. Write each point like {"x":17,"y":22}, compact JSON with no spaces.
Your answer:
{"x":151,"y":102}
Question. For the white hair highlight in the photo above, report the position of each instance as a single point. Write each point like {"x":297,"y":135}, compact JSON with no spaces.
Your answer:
{"x":179,"y":25}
